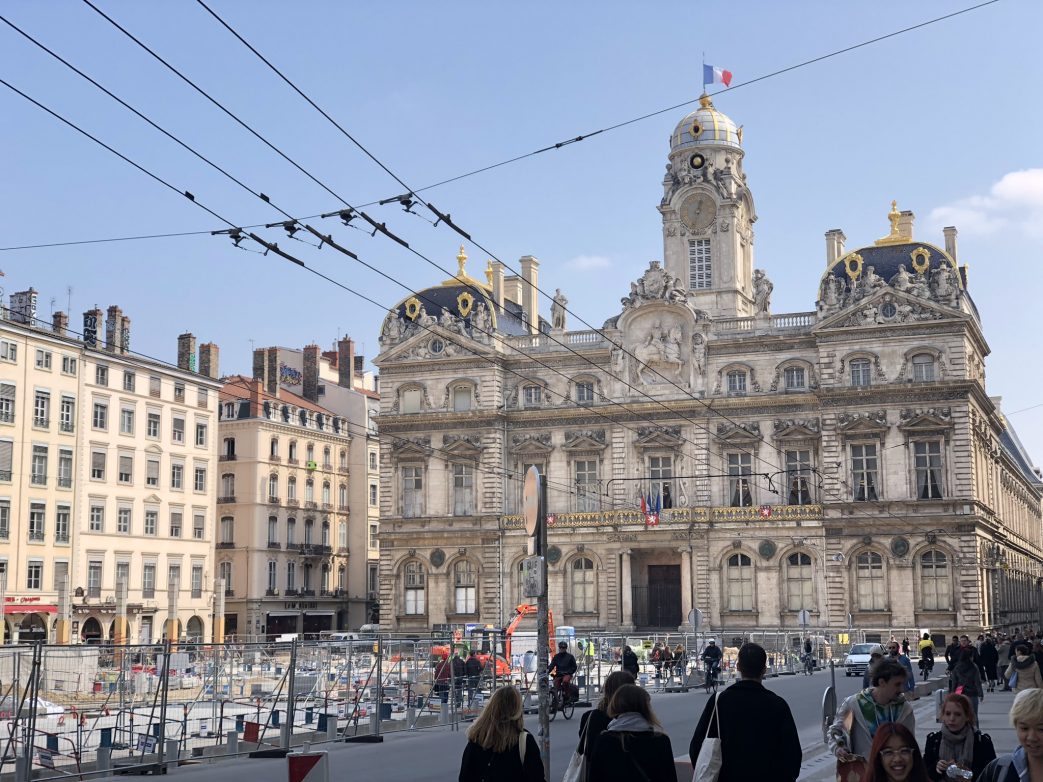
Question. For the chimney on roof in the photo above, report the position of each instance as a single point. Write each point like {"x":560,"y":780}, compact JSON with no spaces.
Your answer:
{"x":905,"y":224}
{"x":60,"y":323}
{"x":124,"y":335}
{"x":834,"y":245}
{"x":530,"y":297}
{"x":271,"y":377}
{"x":256,"y":396}
{"x":498,"y":284}
{"x":91,"y":321}
{"x":346,"y":362}
{"x":311,"y":373}
{"x":260,"y":364}
{"x":360,"y":365}
{"x":208,"y":355}
{"x":113,"y":327}
{"x":950,"y":241}
{"x":186,"y":352}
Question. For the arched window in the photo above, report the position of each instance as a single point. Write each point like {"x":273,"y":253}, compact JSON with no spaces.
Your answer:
{"x":228,"y":486}
{"x":799,"y":592}
{"x":342,"y":578}
{"x":869,"y":582}
{"x":465,"y":587}
{"x":309,"y":530}
{"x":292,"y":455}
{"x":291,"y":531}
{"x":273,"y":532}
{"x":291,"y":576}
{"x":739,"y":575}
{"x":860,"y":372}
{"x":415,"y":585}
{"x":225,"y":572}
{"x":325,"y":533}
{"x":327,"y":463}
{"x":309,"y":490}
{"x":326,"y":497}
{"x":273,"y":448}
{"x":324,"y":578}
{"x":934,"y":581}
{"x":229,"y":448}
{"x":923,"y":367}
{"x":343,"y":459}
{"x":273,"y":486}
{"x":311,"y":452}
{"x":583,"y":587}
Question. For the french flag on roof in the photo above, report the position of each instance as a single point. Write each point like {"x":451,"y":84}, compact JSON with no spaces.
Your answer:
{"x":715,"y":75}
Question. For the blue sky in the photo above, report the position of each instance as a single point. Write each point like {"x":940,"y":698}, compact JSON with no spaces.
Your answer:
{"x":944,"y":119}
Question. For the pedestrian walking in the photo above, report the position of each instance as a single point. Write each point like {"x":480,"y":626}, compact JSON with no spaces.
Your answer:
{"x":594,"y":721}
{"x":850,"y":737}
{"x":498,"y":746}
{"x":895,"y":756}
{"x":629,"y":661}
{"x":1025,"y":763}
{"x":989,"y":660}
{"x":633,"y":745}
{"x":667,"y":659}
{"x":905,"y":646}
{"x":459,"y":675}
{"x":892,"y":650}
{"x":950,"y":653}
{"x":769,"y":751}
{"x":966,"y":679}
{"x":1023,"y":673}
{"x":657,"y":659}
{"x":473,"y":669}
{"x":957,"y":743}
{"x":680,"y":661}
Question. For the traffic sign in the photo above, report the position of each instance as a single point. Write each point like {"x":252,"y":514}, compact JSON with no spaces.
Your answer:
{"x":695,"y":618}
{"x":531,"y":499}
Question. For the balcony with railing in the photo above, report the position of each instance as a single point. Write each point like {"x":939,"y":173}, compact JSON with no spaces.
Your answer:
{"x":544,"y":342}
{"x":274,"y":544}
{"x":41,"y":423}
{"x":226,"y":500}
{"x":226,"y":544}
{"x":311,"y":505}
{"x":36,"y":536}
{"x":7,"y":416}
{"x":273,"y":499}
{"x":64,"y":482}
{"x":272,"y":593}
{"x":676,"y":518}
{"x":773,"y":324}
{"x":227,"y":457}
{"x":67,"y":426}
{"x":293,"y":502}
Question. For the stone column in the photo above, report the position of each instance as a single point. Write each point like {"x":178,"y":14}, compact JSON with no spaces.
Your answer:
{"x":686,"y":586}
{"x":626,"y":581}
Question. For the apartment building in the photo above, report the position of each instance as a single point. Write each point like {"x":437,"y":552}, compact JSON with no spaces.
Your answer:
{"x":106,"y":478}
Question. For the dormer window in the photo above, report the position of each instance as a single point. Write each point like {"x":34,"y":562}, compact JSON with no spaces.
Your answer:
{"x":737,"y":382}
{"x":923,"y":367}
{"x":532,"y":396}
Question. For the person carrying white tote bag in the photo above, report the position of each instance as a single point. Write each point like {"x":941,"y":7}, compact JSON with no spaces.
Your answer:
{"x":707,"y":766}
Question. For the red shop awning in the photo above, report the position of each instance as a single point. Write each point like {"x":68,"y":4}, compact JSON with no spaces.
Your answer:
{"x":30,"y":608}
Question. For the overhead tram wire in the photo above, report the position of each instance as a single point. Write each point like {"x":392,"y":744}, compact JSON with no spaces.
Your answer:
{"x":274,"y":248}
{"x":378,"y":227}
{"x":446,"y":219}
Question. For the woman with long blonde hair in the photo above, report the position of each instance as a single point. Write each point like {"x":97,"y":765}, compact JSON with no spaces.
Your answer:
{"x":499,"y":749}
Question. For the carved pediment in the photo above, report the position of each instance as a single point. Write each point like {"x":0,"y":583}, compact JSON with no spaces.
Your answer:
{"x":659,"y":437}
{"x":462,"y":444}
{"x":886,"y":307}
{"x":739,"y":433}
{"x":873,"y":422}
{"x":411,"y":447}
{"x":537,"y":444}
{"x":585,"y":440}
{"x":924,"y":420}
{"x":797,"y":428}
{"x":655,"y":285}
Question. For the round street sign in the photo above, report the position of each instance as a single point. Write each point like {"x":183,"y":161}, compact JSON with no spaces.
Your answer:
{"x":531,"y":500}
{"x":804,"y":617}
{"x":695,"y":618}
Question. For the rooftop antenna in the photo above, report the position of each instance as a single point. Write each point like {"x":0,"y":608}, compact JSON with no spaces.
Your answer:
{"x":68,"y":294}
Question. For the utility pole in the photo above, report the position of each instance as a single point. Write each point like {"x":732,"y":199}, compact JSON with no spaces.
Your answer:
{"x":535,"y":512}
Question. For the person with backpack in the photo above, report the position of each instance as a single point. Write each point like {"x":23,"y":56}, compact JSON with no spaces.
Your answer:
{"x":1023,"y":672}
{"x":1025,"y":763}
{"x":629,"y":662}
{"x":498,"y":746}
{"x":957,"y":743}
{"x":633,"y":745}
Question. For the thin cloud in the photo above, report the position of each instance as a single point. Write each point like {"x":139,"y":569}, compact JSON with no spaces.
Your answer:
{"x":586,"y":263}
{"x":1015,"y":203}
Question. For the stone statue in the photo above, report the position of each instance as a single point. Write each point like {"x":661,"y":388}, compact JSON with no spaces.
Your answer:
{"x":831,"y":294}
{"x":698,"y":353}
{"x":557,"y":310}
{"x":392,"y":328}
{"x":872,"y":280}
{"x":481,"y":323}
{"x":423,"y":319}
{"x":943,"y":285}
{"x":618,"y":361}
{"x":902,"y":280}
{"x":762,"y":288}
{"x":672,"y":346}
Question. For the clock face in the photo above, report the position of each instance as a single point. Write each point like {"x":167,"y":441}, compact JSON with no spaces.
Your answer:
{"x":698,"y":211}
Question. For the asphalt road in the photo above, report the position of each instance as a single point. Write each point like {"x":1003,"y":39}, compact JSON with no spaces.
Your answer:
{"x":433,"y":754}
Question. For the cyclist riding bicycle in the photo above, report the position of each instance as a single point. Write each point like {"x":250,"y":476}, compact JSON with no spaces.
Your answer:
{"x":711,"y":658}
{"x":562,"y":668}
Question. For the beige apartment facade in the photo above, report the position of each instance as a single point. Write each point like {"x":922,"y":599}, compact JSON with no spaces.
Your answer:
{"x":109,"y":458}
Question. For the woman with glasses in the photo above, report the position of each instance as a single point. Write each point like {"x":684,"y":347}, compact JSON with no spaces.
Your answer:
{"x":895,"y":757}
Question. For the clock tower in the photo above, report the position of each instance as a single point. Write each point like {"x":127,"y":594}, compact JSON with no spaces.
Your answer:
{"x":708,"y":214}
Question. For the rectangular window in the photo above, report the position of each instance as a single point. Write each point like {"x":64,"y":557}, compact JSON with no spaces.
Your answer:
{"x":174,"y":578}
{"x":532,"y":395}
{"x":201,"y":434}
{"x":372,"y":460}
{"x":152,"y":426}
{"x":463,"y":490}
{"x":273,"y":577}
{"x":98,"y":465}
{"x":661,"y":472}
{"x":94,"y":578}
{"x":7,"y":402}
{"x":128,"y":380}
{"x":587,"y":494}
{"x":700,"y":268}
{"x":202,"y":397}
{"x":795,"y":378}
{"x":291,"y":577}
{"x":177,"y":432}
{"x":37,"y":520}
{"x":176,"y":518}
{"x":154,"y":386}
{"x":152,"y":473}
{"x":127,"y":420}
{"x":61,"y":575}
{"x":68,"y":365}
{"x":197,"y":582}
{"x":179,"y":391}
{"x":736,"y":382}
{"x":62,"y":517}
{"x":5,"y":519}
{"x":123,"y":520}
{"x":148,"y":580}
{"x":798,"y":476}
{"x":373,"y":494}
{"x":97,"y":518}
{"x":342,"y":535}
{"x":8,"y":351}
{"x":740,"y":468}
{"x":461,"y":398}
{"x":928,"y":465}
{"x":864,"y":472}
{"x":42,"y":409}
{"x":410,"y":401}
{"x":6,"y":458}
{"x":126,"y":469}
{"x":101,"y":375}
{"x":198,"y":526}
{"x":412,"y":491}
{"x":38,"y":468}
{"x":65,"y":468}
{"x":584,"y":392}
{"x":199,"y":479}
{"x":861,"y":372}
{"x":123,"y":574}
{"x":177,"y":476}
{"x":67,"y":414}
{"x":43,"y":359}
{"x":100,"y":416}
{"x":34,"y":575}
{"x":273,"y":530}
{"x":151,"y":522}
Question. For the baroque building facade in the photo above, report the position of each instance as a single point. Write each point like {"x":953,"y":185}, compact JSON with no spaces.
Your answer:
{"x":703,"y":452}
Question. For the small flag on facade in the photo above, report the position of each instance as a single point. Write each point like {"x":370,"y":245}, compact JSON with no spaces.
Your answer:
{"x":551,"y":518}
{"x":765,"y":511}
{"x":714,"y":75}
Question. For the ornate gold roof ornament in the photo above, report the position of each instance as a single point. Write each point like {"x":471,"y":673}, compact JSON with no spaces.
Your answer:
{"x":705,"y":101}
{"x":853,"y":266}
{"x":462,"y":277}
{"x":465,"y":301}
{"x":921,"y":258}
{"x":895,"y":237}
{"x":412,"y":306}
{"x":489,"y":273}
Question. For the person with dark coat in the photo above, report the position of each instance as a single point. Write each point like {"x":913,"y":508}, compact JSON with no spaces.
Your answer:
{"x":498,"y":746}
{"x":990,"y":659}
{"x":629,"y":661}
{"x":459,"y":674}
{"x":595,"y":720}
{"x":770,"y":752}
{"x":965,"y":674}
{"x":1026,"y":761}
{"x":957,"y":743}
{"x":951,"y":652}
{"x":633,"y":745}
{"x":473,"y":669}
